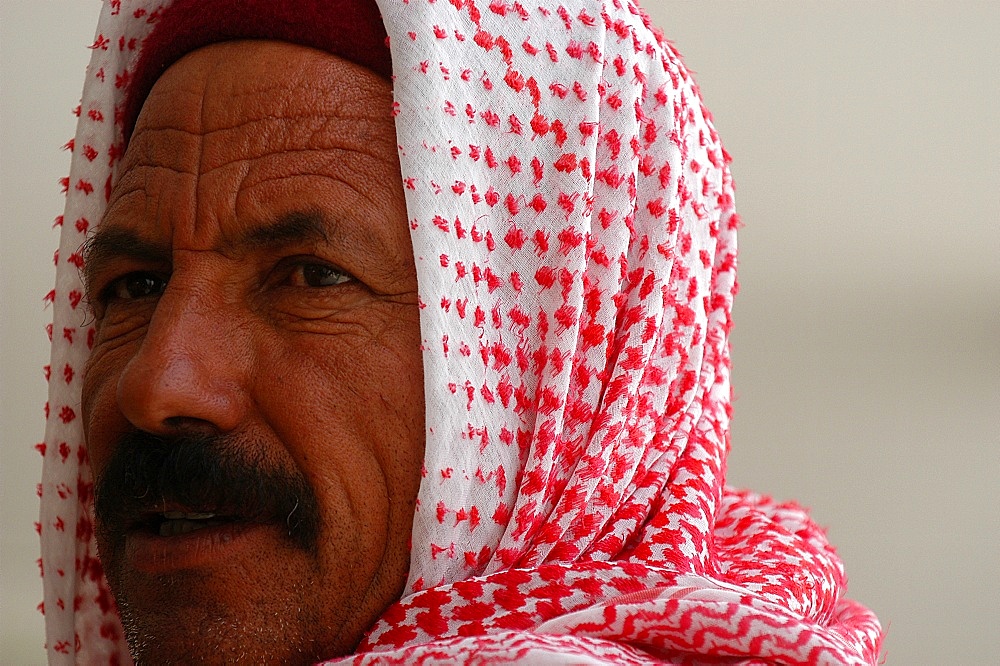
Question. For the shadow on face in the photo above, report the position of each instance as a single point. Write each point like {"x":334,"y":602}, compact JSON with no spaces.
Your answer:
{"x":257,"y":362}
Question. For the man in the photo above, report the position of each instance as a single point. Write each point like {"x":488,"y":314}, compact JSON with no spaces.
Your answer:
{"x":253,"y":273}
{"x":430,"y":372}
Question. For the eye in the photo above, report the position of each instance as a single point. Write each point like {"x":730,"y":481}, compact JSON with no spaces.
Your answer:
{"x":135,"y":286}
{"x":317,"y":275}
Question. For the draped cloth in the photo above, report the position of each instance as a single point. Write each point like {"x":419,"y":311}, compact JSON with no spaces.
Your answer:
{"x":573,"y":227}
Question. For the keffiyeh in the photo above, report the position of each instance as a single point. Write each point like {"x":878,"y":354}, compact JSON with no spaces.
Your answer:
{"x":571,"y":211}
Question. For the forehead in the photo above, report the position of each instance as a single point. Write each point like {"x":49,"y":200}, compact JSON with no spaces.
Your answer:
{"x":236,"y":130}
{"x":218,"y":85}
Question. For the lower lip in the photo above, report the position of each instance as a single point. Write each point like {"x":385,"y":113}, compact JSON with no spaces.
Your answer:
{"x":151,"y":553}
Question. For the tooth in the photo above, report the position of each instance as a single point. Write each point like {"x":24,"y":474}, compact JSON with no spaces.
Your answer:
{"x":180,"y":515}
{"x":176,"y":527}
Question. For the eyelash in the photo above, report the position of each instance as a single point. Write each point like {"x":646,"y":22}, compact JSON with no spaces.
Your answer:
{"x":119,"y":288}
{"x":319,"y":270}
{"x":115,"y":288}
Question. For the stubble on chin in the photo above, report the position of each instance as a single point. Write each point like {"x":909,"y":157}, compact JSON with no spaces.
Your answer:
{"x":201,"y":632}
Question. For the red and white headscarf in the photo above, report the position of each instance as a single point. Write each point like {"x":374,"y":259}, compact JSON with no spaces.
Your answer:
{"x":574,"y":236}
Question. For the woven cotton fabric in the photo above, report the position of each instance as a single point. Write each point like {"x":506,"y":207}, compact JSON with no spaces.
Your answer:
{"x":574,"y":234}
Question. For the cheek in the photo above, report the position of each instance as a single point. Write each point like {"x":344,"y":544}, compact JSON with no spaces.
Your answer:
{"x":366,"y":362}
{"x":102,"y":420}
{"x":355,"y":395}
{"x":117,"y":340}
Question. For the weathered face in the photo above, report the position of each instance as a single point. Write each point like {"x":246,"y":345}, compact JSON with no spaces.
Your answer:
{"x":253,"y":404}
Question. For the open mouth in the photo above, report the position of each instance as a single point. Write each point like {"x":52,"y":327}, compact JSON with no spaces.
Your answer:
{"x":176,"y":523}
{"x":161,"y":491}
{"x":177,"y":537}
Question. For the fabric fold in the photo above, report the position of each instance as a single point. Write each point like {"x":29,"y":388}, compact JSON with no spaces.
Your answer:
{"x":574,"y":233}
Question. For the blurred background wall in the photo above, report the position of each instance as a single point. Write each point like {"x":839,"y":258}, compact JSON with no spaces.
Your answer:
{"x":867,"y":344}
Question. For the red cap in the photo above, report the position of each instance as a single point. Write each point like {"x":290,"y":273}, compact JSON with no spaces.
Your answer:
{"x":350,"y":29}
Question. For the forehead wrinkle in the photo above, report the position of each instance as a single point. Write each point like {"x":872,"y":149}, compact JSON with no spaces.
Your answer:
{"x":274,"y":136}
{"x":236,"y":121}
{"x":337,"y":224}
{"x":130,"y":204}
{"x":206,"y":89}
{"x":165,"y":147}
{"x":358,"y":167}
{"x":148,"y":127}
{"x":246,"y":163}
{"x":137,"y":175}
{"x":331,"y":85}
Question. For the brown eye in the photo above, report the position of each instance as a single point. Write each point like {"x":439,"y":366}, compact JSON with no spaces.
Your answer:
{"x":135,"y":286}
{"x":318,"y":275}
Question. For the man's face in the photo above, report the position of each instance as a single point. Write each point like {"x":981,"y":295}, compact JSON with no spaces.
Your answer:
{"x":253,"y":404}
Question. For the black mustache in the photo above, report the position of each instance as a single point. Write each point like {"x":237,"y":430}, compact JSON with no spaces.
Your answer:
{"x":223,"y":474}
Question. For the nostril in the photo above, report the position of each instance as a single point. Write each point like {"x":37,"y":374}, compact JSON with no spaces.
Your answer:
{"x":190,"y":424}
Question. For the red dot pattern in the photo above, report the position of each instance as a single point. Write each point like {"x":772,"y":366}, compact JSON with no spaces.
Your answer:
{"x":572,"y":218}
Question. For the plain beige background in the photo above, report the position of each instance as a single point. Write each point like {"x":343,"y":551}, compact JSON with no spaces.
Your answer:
{"x":867,"y":345}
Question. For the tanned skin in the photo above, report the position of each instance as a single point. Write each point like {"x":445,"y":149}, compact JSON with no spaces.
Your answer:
{"x":255,"y":298}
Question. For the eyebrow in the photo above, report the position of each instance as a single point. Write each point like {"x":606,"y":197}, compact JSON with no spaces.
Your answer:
{"x":293,"y":227}
{"x":109,"y":243}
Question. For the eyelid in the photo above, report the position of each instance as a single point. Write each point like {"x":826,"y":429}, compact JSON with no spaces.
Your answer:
{"x":106,"y":292}
{"x":287,"y":266}
{"x":100,"y":275}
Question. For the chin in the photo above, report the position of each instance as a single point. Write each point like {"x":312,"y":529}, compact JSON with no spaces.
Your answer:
{"x":239,"y":613}
{"x":187,"y":622}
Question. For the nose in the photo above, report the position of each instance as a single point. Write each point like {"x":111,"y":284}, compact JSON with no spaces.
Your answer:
{"x":190,"y":370}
